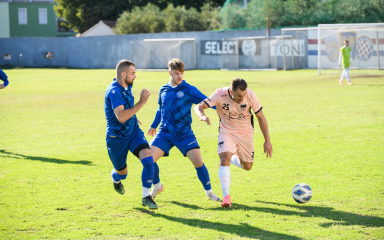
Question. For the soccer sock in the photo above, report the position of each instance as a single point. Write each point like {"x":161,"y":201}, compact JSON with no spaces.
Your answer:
{"x":203,"y":175}
{"x":147,"y":174}
{"x":236,"y":161}
{"x":225,"y":179}
{"x":156,"y":174}
{"x":342,"y":75}
{"x":347,"y":74}
{"x":117,"y":177}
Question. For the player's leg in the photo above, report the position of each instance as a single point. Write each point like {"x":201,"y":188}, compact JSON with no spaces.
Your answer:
{"x":117,"y":152}
{"x":157,"y":153}
{"x":342,"y":76}
{"x":245,"y":151}
{"x":140,"y":148}
{"x":347,"y":76}
{"x":226,"y":150}
{"x":146,"y":159}
{"x":160,"y":146}
{"x":202,"y":172}
{"x":225,"y":177}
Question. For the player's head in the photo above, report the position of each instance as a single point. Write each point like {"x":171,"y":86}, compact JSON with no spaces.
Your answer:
{"x":176,"y":71}
{"x":239,"y":89}
{"x":346,"y":43}
{"x":126,"y":71}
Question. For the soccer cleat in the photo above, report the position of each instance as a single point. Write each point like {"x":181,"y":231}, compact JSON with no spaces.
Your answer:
{"x":148,"y":201}
{"x":119,"y":187}
{"x":154,"y":191}
{"x":226,"y":202}
{"x":212,"y":196}
{"x":341,"y":82}
{"x":349,"y":83}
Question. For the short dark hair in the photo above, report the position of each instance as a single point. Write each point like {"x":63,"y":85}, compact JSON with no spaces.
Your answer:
{"x":238,"y":83}
{"x":122,"y":65}
{"x":176,"y":64}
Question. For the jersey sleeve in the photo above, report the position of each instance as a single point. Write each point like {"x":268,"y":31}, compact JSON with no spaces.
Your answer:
{"x":116,"y":98}
{"x":212,"y":100}
{"x":255,"y":103}
{"x":197,"y":95}
{"x":157,"y":119}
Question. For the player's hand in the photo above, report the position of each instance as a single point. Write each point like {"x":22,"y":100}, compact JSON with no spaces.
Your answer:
{"x":144,"y":95}
{"x":2,"y":86}
{"x":151,"y":132}
{"x":268,"y":149}
{"x":205,"y":119}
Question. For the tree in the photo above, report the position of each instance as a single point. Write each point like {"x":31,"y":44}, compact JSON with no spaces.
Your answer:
{"x":80,"y":15}
{"x":148,"y":19}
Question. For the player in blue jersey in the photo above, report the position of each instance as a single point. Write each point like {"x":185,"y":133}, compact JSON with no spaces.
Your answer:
{"x":123,"y":132}
{"x":4,"y":78}
{"x":174,"y":116}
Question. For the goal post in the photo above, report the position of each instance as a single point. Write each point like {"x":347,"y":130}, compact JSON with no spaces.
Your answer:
{"x":157,"y":52}
{"x":253,"y":53}
{"x":365,"y":39}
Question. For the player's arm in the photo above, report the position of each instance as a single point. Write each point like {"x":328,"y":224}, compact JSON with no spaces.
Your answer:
{"x":264,"y":129}
{"x":155,"y":123}
{"x":123,"y":115}
{"x":3,"y":77}
{"x":199,"y":110}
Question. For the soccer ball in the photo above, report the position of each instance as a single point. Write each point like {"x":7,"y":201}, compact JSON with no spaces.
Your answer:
{"x":302,"y":193}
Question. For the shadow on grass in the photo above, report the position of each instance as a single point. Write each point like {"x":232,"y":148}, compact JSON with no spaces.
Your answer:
{"x":42,"y":159}
{"x":241,"y":229}
{"x":340,"y":217}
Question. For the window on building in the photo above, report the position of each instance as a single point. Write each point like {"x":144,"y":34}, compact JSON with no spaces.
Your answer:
{"x":22,"y":16}
{"x":43,"y":19}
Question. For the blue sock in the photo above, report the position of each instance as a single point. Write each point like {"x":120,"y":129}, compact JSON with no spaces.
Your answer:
{"x":203,"y":175}
{"x":156,"y":175}
{"x":117,"y":177}
{"x":148,"y":170}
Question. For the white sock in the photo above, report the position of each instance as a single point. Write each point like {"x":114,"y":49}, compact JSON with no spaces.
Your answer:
{"x":157,"y":186}
{"x":146,"y":191}
{"x":236,"y":161}
{"x":225,"y":179}
{"x":347,"y":74}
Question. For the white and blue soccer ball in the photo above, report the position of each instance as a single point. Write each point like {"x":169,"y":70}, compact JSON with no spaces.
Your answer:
{"x":302,"y":193}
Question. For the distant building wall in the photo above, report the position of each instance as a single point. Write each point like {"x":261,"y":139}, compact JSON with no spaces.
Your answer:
{"x":4,"y":20}
{"x":35,"y":24}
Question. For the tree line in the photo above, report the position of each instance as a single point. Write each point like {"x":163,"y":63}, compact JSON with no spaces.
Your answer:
{"x":151,"y":16}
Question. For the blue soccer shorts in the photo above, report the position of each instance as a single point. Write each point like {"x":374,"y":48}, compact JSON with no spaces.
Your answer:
{"x":118,"y":148}
{"x":165,"y":141}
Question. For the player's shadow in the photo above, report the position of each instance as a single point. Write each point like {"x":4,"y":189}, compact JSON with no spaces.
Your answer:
{"x":42,"y":159}
{"x":242,"y":229}
{"x":343,"y":218}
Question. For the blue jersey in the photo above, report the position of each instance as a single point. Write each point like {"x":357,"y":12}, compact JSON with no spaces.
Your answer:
{"x":174,"y":113}
{"x":115,"y":96}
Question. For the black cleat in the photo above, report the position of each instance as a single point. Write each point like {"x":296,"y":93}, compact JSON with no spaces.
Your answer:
{"x":119,"y":187}
{"x":148,"y":201}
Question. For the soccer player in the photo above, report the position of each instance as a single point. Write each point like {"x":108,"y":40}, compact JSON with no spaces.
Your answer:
{"x":123,"y":132}
{"x":345,"y":58}
{"x":4,"y":78}
{"x":235,"y":145}
{"x":174,"y":116}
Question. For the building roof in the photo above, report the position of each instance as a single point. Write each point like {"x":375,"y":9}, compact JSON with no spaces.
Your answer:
{"x":102,"y":28}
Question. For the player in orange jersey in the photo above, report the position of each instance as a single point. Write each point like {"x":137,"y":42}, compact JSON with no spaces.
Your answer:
{"x":235,"y":145}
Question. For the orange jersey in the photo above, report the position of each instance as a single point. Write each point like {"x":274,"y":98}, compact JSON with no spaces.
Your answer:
{"x":234,"y":117}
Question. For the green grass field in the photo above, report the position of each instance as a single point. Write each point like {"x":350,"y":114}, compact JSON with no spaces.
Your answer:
{"x":55,"y":172}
